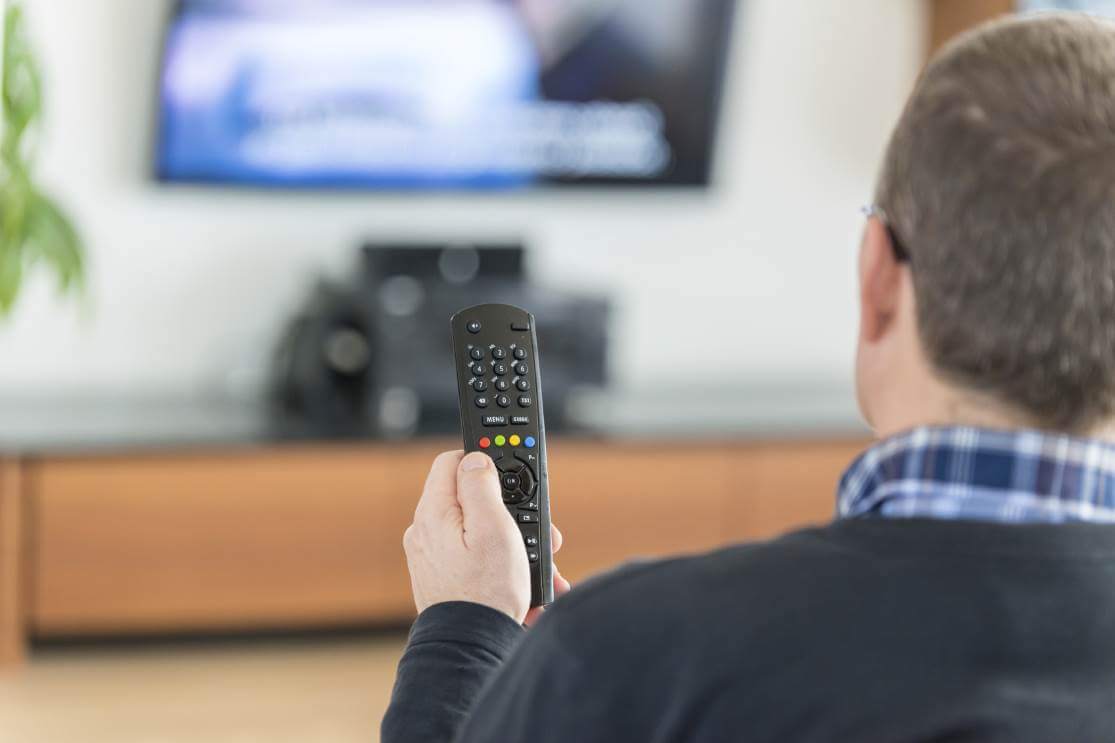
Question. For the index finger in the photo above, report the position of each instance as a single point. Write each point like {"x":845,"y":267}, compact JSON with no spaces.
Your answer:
{"x":439,"y":495}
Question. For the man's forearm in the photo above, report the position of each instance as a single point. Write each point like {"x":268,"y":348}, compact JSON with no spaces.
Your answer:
{"x":453,"y":650}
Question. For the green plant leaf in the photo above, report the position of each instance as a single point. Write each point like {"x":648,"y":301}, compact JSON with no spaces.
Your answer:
{"x":52,"y":237}
{"x":33,"y":229}
{"x":11,"y":273}
{"x":22,"y":82}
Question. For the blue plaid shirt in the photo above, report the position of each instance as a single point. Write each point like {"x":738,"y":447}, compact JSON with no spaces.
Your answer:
{"x":982,"y":475}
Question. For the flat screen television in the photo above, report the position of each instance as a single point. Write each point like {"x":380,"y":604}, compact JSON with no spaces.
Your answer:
{"x":441,"y":94}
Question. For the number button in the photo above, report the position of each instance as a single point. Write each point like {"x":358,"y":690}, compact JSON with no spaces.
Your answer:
{"x":499,"y":354}
{"x":504,"y":401}
{"x":499,"y":369}
{"x":521,"y":369}
{"x":502,"y":385}
{"x":520,"y":353}
{"x":476,"y":354}
{"x":477,"y":370}
{"x":479,"y":385}
{"x":523,"y":385}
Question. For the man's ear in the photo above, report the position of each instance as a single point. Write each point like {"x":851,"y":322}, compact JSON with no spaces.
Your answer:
{"x":880,"y":281}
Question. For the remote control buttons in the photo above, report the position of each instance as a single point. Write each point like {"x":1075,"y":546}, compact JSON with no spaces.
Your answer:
{"x":499,"y":369}
{"x":477,"y":370}
{"x":530,"y":540}
{"x":532,"y":555}
{"x":525,"y":401}
{"x":520,"y":353}
{"x":502,"y":385}
{"x":484,"y":442}
{"x":473,"y":327}
{"x":476,"y":354}
{"x":523,"y":385}
{"x":521,"y":368}
{"x":500,"y":440}
{"x":528,"y":518}
{"x":479,"y":385}
{"x":499,"y":354}
{"x":520,"y":420}
{"x":517,"y":480}
{"x":521,"y":326}
{"x":526,"y":472}
{"x":481,"y":402}
{"x":503,"y":401}
{"x":491,"y":421}
{"x":514,"y":439}
{"x":529,"y":442}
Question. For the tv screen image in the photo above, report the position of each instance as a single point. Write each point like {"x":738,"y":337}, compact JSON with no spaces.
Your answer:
{"x":442,"y":94}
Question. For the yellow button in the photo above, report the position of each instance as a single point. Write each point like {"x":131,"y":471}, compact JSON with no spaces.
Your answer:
{"x":514,"y":440}
{"x":500,"y":441}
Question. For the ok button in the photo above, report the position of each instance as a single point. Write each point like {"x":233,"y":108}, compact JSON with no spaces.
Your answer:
{"x":511,"y":482}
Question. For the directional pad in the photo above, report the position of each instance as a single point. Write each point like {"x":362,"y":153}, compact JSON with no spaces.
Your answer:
{"x":517,"y":480}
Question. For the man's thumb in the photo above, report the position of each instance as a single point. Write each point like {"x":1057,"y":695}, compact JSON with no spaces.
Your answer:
{"x":478,"y":492}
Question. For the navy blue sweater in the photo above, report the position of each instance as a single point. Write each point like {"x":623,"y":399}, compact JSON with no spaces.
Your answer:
{"x":868,"y":630}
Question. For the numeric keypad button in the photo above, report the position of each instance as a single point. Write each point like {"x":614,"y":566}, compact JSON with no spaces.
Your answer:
{"x":521,"y":368}
{"x":476,"y":354}
{"x":520,"y":353}
{"x":499,"y":354}
{"x":477,"y":370}
{"x":503,"y":401}
{"x":479,"y":385}
{"x":499,"y":369}
{"x":523,"y":385}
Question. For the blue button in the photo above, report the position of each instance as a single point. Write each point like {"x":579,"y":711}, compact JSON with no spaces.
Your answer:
{"x":528,"y":442}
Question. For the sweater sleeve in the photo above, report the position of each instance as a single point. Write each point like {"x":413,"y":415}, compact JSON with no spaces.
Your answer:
{"x":453,"y":650}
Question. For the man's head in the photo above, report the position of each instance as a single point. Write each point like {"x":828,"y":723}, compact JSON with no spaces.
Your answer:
{"x":999,"y":183}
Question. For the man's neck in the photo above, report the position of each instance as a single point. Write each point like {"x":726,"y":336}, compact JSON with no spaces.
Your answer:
{"x":954,"y":407}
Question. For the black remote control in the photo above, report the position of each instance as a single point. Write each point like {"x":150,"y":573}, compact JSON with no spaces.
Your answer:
{"x":495,"y":349}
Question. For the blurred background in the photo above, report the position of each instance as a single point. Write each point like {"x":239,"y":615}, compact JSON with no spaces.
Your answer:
{"x":209,"y":449}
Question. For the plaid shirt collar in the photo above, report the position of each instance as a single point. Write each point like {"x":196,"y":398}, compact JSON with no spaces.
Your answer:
{"x":979,"y":474}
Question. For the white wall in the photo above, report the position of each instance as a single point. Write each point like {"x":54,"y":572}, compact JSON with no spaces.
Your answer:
{"x":751,"y":281}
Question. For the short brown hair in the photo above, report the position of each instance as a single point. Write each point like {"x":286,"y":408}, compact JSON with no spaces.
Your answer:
{"x":1000,"y":182}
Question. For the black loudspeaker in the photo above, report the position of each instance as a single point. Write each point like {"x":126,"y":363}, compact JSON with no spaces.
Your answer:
{"x":373,"y":358}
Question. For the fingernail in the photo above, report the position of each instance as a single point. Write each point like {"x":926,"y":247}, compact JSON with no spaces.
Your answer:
{"x":475,"y":461}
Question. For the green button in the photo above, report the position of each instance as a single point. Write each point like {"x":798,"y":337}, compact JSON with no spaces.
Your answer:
{"x":501,"y":440}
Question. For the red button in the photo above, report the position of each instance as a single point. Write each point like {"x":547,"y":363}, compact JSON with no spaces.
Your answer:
{"x":485,"y":442}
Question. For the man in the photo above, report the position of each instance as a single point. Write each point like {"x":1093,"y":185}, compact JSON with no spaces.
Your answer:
{"x":967,"y":590}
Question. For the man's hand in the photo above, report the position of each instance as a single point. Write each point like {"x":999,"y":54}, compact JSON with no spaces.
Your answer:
{"x":464,"y":545}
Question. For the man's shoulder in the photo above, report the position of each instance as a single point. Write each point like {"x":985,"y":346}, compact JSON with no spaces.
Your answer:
{"x":738,"y":586}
